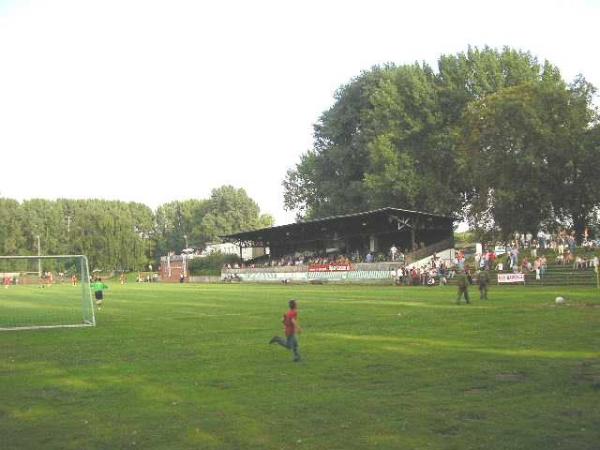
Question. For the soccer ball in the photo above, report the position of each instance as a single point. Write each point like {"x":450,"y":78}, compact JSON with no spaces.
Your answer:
{"x":559,"y":300}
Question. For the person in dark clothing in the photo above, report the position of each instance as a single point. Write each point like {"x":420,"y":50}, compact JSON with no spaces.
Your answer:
{"x":462,"y":281}
{"x":483,"y":280}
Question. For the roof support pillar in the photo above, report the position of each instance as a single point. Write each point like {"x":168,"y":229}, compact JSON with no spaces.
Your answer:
{"x":373,"y":243}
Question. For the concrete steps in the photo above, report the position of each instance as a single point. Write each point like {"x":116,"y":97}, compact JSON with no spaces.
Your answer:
{"x":556,"y":275}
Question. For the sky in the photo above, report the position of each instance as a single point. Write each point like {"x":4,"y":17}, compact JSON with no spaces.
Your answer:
{"x":156,"y":101}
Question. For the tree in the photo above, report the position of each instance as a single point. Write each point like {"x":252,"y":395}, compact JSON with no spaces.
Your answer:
{"x":178,"y":222}
{"x":575,"y":157}
{"x":530,"y":153}
{"x":495,"y":134}
{"x":505,"y":150}
{"x":392,"y":136}
{"x":123,"y":236}
{"x":11,"y":233}
{"x":228,"y":210}
{"x":373,"y":147}
{"x":328,"y":179}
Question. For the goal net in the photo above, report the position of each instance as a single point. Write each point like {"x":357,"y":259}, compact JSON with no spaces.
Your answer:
{"x":45,"y":292}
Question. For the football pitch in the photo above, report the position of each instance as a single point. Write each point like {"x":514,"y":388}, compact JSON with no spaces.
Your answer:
{"x":189,"y":367}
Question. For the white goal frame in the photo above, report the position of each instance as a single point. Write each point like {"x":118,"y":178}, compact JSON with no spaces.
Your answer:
{"x":86,"y":293}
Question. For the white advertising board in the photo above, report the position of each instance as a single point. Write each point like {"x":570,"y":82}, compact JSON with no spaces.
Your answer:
{"x":511,"y":278}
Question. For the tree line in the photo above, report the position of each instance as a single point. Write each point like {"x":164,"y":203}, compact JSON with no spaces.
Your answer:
{"x":118,"y":235}
{"x":493,"y":136}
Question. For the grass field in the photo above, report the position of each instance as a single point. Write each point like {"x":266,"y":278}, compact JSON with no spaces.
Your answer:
{"x":189,"y":367}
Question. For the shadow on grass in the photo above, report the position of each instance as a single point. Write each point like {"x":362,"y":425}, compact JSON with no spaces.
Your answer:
{"x":458,"y":346}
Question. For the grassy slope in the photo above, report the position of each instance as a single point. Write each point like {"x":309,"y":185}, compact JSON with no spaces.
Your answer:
{"x":188,"y":366}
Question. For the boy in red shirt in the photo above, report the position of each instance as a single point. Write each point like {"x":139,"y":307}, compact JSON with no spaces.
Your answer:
{"x":292,"y":328}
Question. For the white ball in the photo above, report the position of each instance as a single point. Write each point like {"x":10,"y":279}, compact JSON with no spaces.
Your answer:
{"x":559,"y":300}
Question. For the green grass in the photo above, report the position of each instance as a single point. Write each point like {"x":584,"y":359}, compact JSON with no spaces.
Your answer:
{"x":189,"y":367}
{"x":29,"y":305}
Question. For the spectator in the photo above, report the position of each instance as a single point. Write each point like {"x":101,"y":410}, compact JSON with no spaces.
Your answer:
{"x":393,"y":252}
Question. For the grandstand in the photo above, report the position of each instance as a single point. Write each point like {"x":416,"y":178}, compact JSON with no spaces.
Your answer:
{"x":338,"y":247}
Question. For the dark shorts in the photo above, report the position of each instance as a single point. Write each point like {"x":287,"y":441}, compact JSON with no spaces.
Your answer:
{"x":99,"y":295}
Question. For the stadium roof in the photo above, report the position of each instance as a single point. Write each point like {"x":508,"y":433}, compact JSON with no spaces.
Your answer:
{"x":265,"y":234}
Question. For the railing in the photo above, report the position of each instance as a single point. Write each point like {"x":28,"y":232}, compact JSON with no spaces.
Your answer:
{"x":429,"y":250}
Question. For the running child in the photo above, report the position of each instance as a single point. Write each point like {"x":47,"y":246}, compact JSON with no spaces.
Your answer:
{"x":292,"y":329}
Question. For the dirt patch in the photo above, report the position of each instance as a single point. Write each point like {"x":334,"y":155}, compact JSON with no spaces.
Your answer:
{"x":473,"y":416}
{"x":588,"y":372}
{"x":572,"y":413}
{"x":475,"y":390}
{"x":452,"y":430}
{"x":514,"y":377}
{"x":587,"y":305}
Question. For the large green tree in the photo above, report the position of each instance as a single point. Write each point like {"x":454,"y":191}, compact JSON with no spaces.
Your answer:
{"x":373,"y":147}
{"x":505,"y":146}
{"x":493,"y":133}
{"x":531,"y":157}
{"x":575,"y":159}
{"x":391,"y":137}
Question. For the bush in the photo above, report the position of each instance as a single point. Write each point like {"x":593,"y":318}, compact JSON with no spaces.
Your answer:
{"x":466,"y":238}
{"x":211,"y":265}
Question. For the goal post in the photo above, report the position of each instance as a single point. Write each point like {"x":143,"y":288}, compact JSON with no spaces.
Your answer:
{"x":39,"y":292}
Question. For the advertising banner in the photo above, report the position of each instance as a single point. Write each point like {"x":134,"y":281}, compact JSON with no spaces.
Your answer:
{"x":349,"y":275}
{"x":329,"y":268}
{"x":511,"y":278}
{"x":272,"y":277}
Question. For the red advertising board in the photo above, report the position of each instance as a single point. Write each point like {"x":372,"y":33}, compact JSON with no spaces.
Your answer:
{"x":329,"y":268}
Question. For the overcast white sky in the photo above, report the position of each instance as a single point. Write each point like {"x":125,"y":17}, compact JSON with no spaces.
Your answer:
{"x":154,"y":101}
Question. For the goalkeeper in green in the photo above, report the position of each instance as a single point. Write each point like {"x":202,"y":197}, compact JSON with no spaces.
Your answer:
{"x":98,"y":287}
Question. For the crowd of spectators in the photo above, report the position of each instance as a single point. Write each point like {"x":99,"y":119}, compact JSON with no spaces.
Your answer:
{"x":522,"y":255}
{"x":289,"y":260}
{"x":525,"y":253}
{"x":307,"y":259}
{"x":435,"y":271}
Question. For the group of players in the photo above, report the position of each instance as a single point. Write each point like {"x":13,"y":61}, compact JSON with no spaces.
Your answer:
{"x":464,"y":280}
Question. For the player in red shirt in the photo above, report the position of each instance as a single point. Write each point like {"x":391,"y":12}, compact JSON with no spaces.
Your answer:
{"x":292,"y":329}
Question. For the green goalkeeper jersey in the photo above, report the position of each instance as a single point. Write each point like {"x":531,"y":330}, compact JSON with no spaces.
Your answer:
{"x":98,"y":286}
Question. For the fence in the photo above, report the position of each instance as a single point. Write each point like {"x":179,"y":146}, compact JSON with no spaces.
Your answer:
{"x":429,"y":250}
